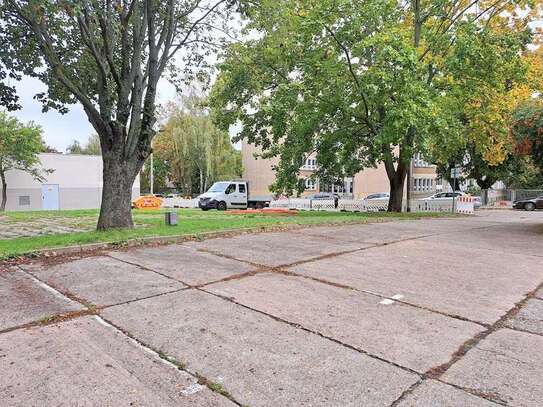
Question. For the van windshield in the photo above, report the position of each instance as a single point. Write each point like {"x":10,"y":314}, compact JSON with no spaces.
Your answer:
{"x":219,"y":187}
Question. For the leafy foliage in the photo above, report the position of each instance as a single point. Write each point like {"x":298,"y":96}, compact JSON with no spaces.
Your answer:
{"x":363,"y":82}
{"x":109,"y":56}
{"x":91,"y":147}
{"x":161,"y":174}
{"x":20,"y":145}
{"x":527,"y":130}
{"x":196,"y":152}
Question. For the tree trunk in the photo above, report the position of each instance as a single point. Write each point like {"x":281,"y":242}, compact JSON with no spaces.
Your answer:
{"x":118,"y":179}
{"x":4,"y":192}
{"x":396,"y":179}
{"x":396,"y":192}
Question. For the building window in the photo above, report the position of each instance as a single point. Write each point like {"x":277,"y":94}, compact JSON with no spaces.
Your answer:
{"x":24,"y":200}
{"x":423,"y":184}
{"x":310,"y":164}
{"x":310,"y":184}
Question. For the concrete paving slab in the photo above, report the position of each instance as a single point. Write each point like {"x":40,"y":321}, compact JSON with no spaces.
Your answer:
{"x":260,"y":361}
{"x":506,"y":366}
{"x":85,"y":363}
{"x":104,"y":281}
{"x":275,"y":249}
{"x":408,"y":336}
{"x":373,"y":233}
{"x":432,"y":393}
{"x":183,"y":263}
{"x":379,"y":233}
{"x":510,"y":238}
{"x":24,"y":300}
{"x":510,"y":216}
{"x":473,"y":283}
{"x":529,"y":318}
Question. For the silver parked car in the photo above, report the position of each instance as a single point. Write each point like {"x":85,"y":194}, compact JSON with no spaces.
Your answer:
{"x":379,"y":195}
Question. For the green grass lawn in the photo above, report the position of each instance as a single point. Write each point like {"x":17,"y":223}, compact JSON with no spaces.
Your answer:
{"x":191,"y":222}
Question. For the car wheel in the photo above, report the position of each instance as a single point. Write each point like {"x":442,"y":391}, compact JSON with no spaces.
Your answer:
{"x":221,"y":206}
{"x":529,"y":206}
{"x":205,"y":209}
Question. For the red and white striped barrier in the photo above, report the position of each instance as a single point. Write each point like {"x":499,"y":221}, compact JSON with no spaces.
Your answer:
{"x":464,"y":204}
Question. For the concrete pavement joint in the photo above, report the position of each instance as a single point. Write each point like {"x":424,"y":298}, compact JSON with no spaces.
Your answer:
{"x":301,"y":327}
{"x":202,"y":380}
{"x":490,"y":397}
{"x":91,"y":309}
{"x":438,"y":371}
{"x":281,"y":270}
{"x":382,"y":296}
{"x":339,"y":253}
{"x":235,"y":276}
{"x":148,"y":269}
{"x":407,"y":392}
{"x":143,"y":298}
{"x":226,"y":256}
{"x":52,"y":319}
{"x":95,"y":311}
{"x":409,"y":238}
{"x":66,"y":294}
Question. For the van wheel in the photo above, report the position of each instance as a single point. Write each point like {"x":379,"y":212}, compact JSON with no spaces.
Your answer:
{"x":221,"y":206}
{"x":530,"y":206}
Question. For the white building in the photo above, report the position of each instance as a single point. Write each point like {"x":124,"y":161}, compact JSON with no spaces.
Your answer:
{"x":75,"y":183}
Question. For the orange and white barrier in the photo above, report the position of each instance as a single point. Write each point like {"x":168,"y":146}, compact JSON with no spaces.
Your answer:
{"x":147,"y":202}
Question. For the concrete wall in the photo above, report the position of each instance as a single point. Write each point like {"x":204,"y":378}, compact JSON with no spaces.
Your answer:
{"x":79,"y":178}
{"x":370,"y":181}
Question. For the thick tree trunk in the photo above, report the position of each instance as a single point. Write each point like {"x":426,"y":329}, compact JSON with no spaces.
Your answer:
{"x":118,"y":179}
{"x":4,"y":192}
{"x":396,"y":192}
{"x":396,"y":179}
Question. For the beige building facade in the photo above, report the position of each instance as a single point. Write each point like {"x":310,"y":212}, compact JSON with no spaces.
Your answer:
{"x":260,"y":175}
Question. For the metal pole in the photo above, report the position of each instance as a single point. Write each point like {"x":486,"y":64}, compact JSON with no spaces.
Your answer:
{"x":408,"y":194}
{"x":151,"y":176}
{"x":454,"y":194}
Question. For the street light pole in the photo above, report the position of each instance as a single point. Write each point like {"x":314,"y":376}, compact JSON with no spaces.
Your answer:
{"x":151,"y":175}
{"x":408,"y":194}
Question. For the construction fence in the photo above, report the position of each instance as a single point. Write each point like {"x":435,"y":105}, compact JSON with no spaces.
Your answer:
{"x":504,"y":198}
{"x":462,"y":204}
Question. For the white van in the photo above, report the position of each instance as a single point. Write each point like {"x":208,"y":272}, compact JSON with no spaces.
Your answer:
{"x":225,"y":195}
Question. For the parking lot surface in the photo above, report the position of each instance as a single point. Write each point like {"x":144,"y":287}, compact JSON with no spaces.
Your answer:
{"x":435,"y":312}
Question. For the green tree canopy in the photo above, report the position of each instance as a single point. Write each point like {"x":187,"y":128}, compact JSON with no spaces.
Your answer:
{"x":527,"y":131}
{"x":20,"y":145}
{"x":362,"y":82}
{"x":197,"y":152}
{"x":109,"y":56}
{"x":91,"y":147}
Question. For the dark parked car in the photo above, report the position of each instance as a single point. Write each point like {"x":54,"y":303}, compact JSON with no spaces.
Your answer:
{"x":529,"y":204}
